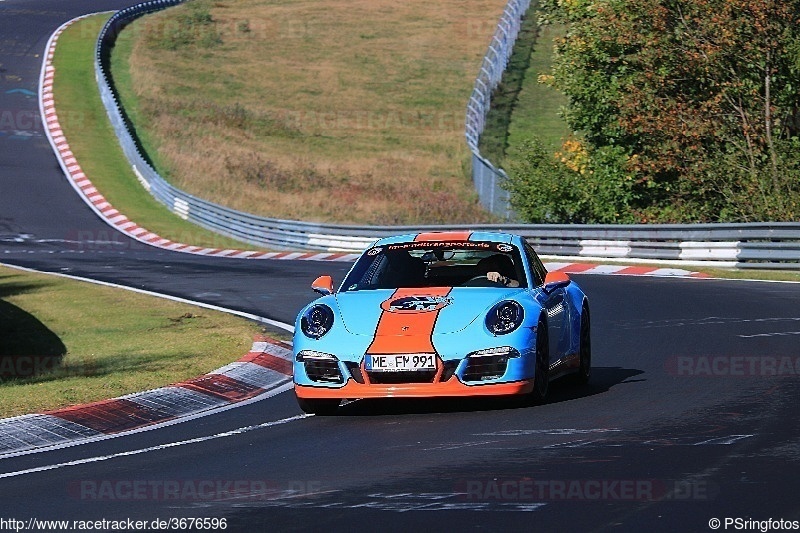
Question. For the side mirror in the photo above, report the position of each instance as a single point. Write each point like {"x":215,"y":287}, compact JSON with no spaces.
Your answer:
{"x":323,"y":285}
{"x":555,"y":280}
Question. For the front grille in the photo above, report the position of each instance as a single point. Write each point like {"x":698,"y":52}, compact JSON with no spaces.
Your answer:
{"x":487,"y":367}
{"x":323,"y":371}
{"x":425,"y":376}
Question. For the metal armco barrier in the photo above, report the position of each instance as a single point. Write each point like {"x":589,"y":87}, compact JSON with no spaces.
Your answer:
{"x":758,"y":245}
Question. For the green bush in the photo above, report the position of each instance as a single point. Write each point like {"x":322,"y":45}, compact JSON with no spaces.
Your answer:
{"x":576,"y":185}
{"x":689,"y":112}
{"x":757,"y":193}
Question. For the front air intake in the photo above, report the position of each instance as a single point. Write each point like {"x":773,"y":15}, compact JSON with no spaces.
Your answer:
{"x":323,"y":371}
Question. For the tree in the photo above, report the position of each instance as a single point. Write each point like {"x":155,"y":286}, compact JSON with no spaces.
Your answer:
{"x":577,"y":186}
{"x":701,"y":96}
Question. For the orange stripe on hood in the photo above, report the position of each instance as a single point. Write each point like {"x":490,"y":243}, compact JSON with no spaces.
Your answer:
{"x":406,"y":331}
{"x":443,"y":236}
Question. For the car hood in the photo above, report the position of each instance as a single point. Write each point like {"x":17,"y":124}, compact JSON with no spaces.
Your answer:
{"x":418,"y":311}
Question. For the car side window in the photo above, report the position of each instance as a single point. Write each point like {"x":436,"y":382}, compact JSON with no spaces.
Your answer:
{"x":537,"y":268}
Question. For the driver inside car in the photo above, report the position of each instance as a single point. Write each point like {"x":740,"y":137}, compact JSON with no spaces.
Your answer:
{"x":498,"y":268}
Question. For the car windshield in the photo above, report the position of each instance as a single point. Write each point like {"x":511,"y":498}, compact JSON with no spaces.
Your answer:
{"x":437,"y":264}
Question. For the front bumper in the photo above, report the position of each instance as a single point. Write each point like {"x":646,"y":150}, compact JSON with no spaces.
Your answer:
{"x":452,"y":387}
{"x":480,"y":376}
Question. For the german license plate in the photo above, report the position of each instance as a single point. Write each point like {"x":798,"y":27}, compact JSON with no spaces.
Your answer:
{"x":401,"y":362}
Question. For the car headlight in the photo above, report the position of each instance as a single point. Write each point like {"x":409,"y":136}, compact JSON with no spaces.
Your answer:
{"x":504,"y":317}
{"x":317,"y":321}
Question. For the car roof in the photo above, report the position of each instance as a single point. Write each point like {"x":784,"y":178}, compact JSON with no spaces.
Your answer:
{"x":454,"y":236}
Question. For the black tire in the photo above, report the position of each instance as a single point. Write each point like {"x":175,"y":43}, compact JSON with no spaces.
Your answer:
{"x":541,"y":379}
{"x":585,"y":349}
{"x":322,"y":407}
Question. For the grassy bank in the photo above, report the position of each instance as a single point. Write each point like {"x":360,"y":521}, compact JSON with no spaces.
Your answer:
{"x":329,"y":111}
{"x":538,"y":107}
{"x":92,"y":140}
{"x":65,"y":342}
{"x":523,"y":107}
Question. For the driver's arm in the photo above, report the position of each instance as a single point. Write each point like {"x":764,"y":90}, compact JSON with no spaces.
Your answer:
{"x":497,"y":278}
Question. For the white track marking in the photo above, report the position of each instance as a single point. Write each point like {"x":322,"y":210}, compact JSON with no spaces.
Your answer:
{"x":556,"y":431}
{"x":725,"y":441}
{"x":196,"y":440}
{"x":212,"y":411}
{"x":778,"y":334}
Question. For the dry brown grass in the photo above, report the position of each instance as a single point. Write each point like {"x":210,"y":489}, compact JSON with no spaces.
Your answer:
{"x":342,"y":111}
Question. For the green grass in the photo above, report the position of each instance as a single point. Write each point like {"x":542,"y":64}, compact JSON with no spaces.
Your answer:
{"x":121,"y":78}
{"x":538,"y":107}
{"x":91,"y":138}
{"x":763,"y":275}
{"x":521,"y":106}
{"x":494,"y":139}
{"x":93,"y":343}
{"x":318,"y":111}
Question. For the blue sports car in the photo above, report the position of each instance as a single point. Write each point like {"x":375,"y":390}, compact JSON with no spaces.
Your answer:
{"x":441,"y":314}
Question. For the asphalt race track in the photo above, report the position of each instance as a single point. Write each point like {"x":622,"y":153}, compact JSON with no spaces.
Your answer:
{"x":691,"y":414}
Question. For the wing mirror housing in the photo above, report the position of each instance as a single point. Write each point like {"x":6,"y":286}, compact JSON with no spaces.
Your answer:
{"x":323,"y":285}
{"x":555,"y":280}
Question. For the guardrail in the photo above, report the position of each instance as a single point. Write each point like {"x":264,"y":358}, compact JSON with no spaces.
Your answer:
{"x":759,"y":245}
{"x":485,"y":176}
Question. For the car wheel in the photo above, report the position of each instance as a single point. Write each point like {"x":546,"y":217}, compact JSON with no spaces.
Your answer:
{"x":541,"y":379}
{"x":323,"y":407}
{"x":585,"y":349}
